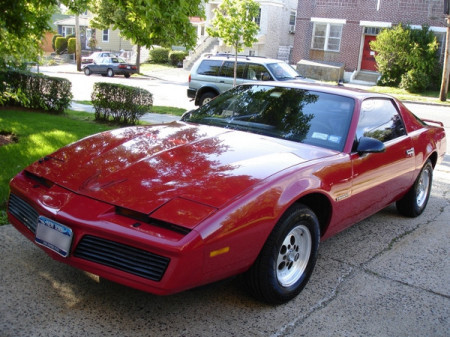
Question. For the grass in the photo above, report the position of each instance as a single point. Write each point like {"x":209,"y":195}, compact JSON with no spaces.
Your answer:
{"x":39,"y":134}
{"x":430,"y":97}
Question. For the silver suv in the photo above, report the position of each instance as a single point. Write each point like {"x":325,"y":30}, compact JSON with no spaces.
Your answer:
{"x":213,"y":74}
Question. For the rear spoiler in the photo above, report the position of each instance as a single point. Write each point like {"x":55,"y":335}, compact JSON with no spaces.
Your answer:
{"x":432,"y":122}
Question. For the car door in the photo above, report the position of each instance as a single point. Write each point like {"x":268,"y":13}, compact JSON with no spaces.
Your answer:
{"x":379,"y":178}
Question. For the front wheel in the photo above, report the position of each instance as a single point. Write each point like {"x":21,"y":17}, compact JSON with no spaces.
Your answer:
{"x":287,"y":259}
{"x":110,"y":72}
{"x":415,"y":201}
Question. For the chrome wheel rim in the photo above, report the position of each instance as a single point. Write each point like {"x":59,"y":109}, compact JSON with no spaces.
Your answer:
{"x":293,"y":255}
{"x":207,"y":100}
{"x":423,"y":187}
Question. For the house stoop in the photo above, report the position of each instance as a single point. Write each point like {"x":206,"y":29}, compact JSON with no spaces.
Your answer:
{"x":365,"y":77}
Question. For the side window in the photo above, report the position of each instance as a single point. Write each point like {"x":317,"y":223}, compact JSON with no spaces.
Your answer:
{"x":255,"y":72}
{"x":209,"y":67}
{"x":379,"y":119}
{"x":228,"y":69}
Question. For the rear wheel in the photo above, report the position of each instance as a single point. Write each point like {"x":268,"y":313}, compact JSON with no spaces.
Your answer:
{"x":110,"y":72}
{"x":287,"y":259}
{"x":415,"y":201}
{"x":127,"y":75}
{"x":87,"y":71}
{"x":206,"y":98}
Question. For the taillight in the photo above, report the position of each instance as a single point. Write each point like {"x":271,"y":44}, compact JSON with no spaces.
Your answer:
{"x":121,"y":66}
{"x":189,"y":80}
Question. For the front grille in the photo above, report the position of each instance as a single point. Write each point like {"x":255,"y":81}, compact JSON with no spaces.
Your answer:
{"x":23,"y":212}
{"x":119,"y":256}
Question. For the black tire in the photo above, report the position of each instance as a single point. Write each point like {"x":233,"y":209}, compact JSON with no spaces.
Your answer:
{"x":127,"y":75}
{"x":87,"y":71}
{"x":288,"y":257}
{"x":415,"y":201}
{"x":206,"y":97}
{"x":110,"y":72}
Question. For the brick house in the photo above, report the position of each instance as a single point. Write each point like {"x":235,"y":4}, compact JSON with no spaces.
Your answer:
{"x":336,"y":33}
{"x":276,"y":21}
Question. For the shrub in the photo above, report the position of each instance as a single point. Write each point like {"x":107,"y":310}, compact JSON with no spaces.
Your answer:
{"x":120,"y":103}
{"x":60,"y":44}
{"x":401,"y":49}
{"x":159,"y":55}
{"x":176,"y":57}
{"x":414,"y":81}
{"x":54,"y":39}
{"x":37,"y":91}
{"x":71,"y":45}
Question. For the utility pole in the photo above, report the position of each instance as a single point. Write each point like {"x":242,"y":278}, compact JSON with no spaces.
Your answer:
{"x":78,"y":42}
{"x":445,"y":72}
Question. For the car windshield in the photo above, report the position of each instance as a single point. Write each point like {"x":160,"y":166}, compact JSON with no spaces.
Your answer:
{"x":282,"y":71}
{"x":299,"y":115}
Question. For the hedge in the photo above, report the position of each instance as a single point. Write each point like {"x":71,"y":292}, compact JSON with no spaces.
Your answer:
{"x":176,"y":57}
{"x":60,"y":45}
{"x":120,"y":103}
{"x":159,"y":55}
{"x":54,"y":40}
{"x":71,"y":45}
{"x":37,"y":91}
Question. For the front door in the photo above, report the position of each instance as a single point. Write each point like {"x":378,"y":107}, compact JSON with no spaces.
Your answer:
{"x":368,"y":58}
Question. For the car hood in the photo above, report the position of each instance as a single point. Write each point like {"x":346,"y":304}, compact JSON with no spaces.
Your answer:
{"x":142,"y":168}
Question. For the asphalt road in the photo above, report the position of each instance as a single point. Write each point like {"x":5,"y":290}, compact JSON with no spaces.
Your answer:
{"x":385,"y":276}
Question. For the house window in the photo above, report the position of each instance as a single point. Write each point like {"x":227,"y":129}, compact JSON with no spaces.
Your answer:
{"x":327,"y":36}
{"x":105,"y":35}
{"x":292,"y":18}
{"x":68,"y":30}
{"x":257,"y":18}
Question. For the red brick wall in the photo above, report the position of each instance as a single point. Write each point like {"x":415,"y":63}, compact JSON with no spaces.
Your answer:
{"x":413,"y":12}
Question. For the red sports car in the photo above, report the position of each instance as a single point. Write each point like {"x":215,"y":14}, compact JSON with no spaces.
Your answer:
{"x":248,"y":183}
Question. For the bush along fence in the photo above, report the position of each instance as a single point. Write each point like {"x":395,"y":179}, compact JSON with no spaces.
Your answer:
{"x":36,"y":91}
{"x":120,"y":103}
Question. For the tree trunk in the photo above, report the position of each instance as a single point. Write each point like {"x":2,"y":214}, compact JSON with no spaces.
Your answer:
{"x":235,"y":64}
{"x":138,"y":58}
{"x":78,"y":42}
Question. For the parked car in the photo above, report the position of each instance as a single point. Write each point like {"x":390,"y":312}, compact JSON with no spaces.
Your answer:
{"x":110,"y":66}
{"x":214,"y":74}
{"x":249,"y":183}
{"x":96,"y":55}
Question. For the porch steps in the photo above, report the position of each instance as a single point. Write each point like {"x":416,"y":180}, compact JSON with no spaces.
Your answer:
{"x":363,"y":76}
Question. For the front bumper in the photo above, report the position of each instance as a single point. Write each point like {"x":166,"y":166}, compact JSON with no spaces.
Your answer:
{"x":112,"y":246}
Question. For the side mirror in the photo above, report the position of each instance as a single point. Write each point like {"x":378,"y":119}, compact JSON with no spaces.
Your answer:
{"x":186,"y":115}
{"x":370,"y":145}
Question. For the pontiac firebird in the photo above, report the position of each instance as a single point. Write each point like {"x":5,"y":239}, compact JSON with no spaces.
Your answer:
{"x":249,"y":183}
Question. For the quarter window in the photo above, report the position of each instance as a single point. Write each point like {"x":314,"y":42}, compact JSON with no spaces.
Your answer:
{"x":379,"y":119}
{"x":209,"y":67}
{"x":327,"y":36}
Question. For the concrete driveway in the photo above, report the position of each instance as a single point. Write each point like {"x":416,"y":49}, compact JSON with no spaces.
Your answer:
{"x":386,"y":276}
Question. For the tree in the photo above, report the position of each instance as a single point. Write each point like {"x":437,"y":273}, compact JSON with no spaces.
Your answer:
{"x":22,"y":26}
{"x":402,"y":50}
{"x":77,"y":7}
{"x":234,"y":23}
{"x":150,"y":22}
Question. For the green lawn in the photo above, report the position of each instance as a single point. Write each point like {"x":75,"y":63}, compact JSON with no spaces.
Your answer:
{"x":38,"y":135}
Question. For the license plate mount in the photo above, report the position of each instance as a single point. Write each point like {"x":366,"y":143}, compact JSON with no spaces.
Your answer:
{"x":54,"y":236}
